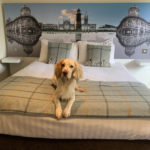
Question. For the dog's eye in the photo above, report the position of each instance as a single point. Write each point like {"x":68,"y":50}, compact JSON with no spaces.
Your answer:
{"x":62,"y":65}
{"x":71,"y":66}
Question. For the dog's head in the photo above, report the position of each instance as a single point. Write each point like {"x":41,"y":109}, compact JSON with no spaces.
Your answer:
{"x":68,"y":68}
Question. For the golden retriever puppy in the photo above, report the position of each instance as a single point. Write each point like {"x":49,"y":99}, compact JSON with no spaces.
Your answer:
{"x":66,"y":75}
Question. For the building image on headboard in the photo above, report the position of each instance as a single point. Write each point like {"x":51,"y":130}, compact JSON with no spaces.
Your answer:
{"x":23,"y":30}
{"x":126,"y":24}
{"x":133,"y":34}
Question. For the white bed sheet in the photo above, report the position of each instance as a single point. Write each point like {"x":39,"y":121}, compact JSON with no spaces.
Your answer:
{"x":78,"y":128}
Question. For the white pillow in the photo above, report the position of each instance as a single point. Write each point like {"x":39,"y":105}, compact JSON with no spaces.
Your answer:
{"x":44,"y":51}
{"x":83,"y":50}
{"x":112,"y":54}
{"x":74,"y":51}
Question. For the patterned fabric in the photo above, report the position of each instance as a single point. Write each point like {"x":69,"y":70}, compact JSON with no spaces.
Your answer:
{"x":98,"y":55}
{"x":34,"y":96}
{"x":56,"y":51}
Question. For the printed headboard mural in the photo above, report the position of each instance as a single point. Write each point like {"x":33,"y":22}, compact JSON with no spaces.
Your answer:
{"x":127,"y":24}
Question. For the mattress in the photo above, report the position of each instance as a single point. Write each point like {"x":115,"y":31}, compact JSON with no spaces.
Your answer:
{"x":76,"y":128}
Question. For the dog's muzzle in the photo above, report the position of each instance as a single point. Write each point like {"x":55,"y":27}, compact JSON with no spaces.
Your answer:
{"x":65,"y":73}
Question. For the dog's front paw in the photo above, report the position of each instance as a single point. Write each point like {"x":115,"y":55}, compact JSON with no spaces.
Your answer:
{"x":66,"y":113}
{"x":58,"y":113}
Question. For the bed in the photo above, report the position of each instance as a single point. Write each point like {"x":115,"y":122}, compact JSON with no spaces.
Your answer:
{"x":93,"y":130}
{"x":101,"y":128}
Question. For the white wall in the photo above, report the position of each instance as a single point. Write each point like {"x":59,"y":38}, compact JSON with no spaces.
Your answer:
{"x":2,"y":35}
{"x":3,"y":68}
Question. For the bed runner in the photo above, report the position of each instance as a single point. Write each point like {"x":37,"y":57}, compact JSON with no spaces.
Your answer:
{"x":34,"y":96}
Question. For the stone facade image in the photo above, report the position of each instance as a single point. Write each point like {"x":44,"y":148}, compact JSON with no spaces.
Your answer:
{"x":24,"y":29}
{"x":133,"y":31}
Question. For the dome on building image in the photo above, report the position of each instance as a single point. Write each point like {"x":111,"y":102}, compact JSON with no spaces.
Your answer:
{"x":25,"y":11}
{"x":133,"y":11}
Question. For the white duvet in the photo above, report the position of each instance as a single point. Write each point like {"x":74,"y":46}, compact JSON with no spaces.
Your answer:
{"x":79,"y":128}
{"x":117,"y":72}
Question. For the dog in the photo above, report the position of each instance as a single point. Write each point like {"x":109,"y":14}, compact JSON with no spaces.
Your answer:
{"x":67,"y":73}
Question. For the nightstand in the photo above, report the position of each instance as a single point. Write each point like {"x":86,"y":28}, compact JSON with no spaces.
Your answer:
{"x":13,"y":63}
{"x":11,"y":60}
{"x":142,"y":62}
{"x":17,"y":63}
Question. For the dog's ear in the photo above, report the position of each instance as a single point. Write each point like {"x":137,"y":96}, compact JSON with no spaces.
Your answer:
{"x":77,"y":73}
{"x":58,"y":68}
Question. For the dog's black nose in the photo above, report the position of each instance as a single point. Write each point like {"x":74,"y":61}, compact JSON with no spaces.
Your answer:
{"x":65,"y":73}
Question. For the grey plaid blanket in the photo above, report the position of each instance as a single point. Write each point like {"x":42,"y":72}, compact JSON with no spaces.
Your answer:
{"x":34,"y":96}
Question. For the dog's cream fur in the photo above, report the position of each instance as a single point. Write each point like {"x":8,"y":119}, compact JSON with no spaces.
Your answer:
{"x":67,"y":73}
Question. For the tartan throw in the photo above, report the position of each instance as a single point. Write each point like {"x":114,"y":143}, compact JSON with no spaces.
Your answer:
{"x":34,"y":96}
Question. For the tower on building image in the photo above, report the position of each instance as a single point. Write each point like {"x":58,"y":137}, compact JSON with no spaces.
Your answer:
{"x":86,"y":19}
{"x":86,"y":22}
{"x":78,"y":20}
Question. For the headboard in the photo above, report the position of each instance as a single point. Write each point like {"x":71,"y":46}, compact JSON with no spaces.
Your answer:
{"x":126,"y":24}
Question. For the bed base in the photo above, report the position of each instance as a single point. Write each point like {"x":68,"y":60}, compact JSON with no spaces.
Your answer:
{"x":8,"y":142}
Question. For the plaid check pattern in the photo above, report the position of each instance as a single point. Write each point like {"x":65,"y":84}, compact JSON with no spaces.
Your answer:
{"x":98,"y":55}
{"x":56,"y":51}
{"x":34,"y":96}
